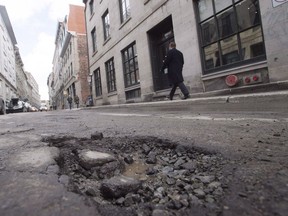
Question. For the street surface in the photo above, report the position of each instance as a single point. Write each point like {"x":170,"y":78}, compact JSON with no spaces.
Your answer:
{"x":250,"y":131}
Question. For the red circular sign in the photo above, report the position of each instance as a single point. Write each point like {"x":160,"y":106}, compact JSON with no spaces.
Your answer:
{"x":231,"y":80}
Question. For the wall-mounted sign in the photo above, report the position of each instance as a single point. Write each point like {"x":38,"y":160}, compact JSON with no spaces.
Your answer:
{"x":275,"y":3}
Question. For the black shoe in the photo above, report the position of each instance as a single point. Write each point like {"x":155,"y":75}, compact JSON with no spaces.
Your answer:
{"x":185,"y":97}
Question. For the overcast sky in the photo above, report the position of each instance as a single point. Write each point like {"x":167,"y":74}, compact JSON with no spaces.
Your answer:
{"x":34,"y":23}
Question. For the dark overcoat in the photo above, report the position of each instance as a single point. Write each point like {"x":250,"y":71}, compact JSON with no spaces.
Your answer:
{"x":174,"y":61}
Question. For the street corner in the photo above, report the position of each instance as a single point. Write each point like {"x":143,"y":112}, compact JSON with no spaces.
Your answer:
{"x":34,"y":159}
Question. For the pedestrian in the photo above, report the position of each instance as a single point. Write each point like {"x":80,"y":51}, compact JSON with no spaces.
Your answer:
{"x":174,"y":61}
{"x":76,"y":100}
{"x":70,"y":99}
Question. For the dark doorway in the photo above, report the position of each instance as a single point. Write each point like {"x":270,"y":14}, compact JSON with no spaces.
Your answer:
{"x":159,"y":38}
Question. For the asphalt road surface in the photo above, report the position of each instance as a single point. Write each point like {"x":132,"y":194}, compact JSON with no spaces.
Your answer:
{"x":250,"y":132}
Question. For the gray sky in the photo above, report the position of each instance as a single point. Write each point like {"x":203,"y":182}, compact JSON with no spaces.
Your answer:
{"x":34,"y":23}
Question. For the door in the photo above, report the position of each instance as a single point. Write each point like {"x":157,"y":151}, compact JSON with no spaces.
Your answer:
{"x":159,"y":38}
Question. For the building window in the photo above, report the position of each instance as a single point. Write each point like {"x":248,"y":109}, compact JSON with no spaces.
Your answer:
{"x":91,"y":7}
{"x":97,"y":81}
{"x":130,"y":65}
{"x":231,"y":33}
{"x":111,"y":78}
{"x":124,"y":10}
{"x":93,"y":37}
{"x":106,"y":25}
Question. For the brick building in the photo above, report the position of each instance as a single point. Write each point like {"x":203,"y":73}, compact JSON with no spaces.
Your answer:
{"x":70,"y":62}
{"x":227,"y":45}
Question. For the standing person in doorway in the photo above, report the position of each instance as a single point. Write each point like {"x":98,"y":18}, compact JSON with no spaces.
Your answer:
{"x":174,"y":61}
{"x":70,"y":99}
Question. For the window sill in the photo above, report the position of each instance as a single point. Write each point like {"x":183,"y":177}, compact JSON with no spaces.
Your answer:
{"x":146,"y":1}
{"x":110,"y":94}
{"x":136,"y":86}
{"x":94,"y":53}
{"x":107,"y":39}
{"x":124,"y":23}
{"x":92,"y":15}
{"x":236,"y":70}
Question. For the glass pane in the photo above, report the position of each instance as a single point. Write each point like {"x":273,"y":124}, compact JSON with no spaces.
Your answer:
{"x":210,"y":56}
{"x":128,"y":80}
{"x":252,"y":43}
{"x":222,"y":4}
{"x":126,"y":67}
{"x":230,"y":51}
{"x":227,"y":23}
{"x":209,"y":31}
{"x":137,"y":76}
{"x":247,"y":14}
{"x":133,"y":81}
{"x":205,"y":8}
{"x":135,"y":50}
{"x":130,"y":52}
{"x":131,"y":63}
{"x":125,"y":55}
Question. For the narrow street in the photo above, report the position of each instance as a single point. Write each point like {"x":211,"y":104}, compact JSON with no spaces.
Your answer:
{"x":245,"y":138}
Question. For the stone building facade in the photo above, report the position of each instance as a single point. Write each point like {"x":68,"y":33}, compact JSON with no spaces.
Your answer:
{"x":8,"y":88}
{"x":227,"y":45}
{"x":70,"y":62}
{"x":14,"y":81}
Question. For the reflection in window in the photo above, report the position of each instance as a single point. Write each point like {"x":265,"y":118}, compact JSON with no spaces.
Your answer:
{"x":252,"y":40}
{"x":231,"y":32}
{"x":222,"y":4}
{"x":124,"y":10}
{"x":247,"y":14}
{"x":227,"y":23}
{"x":106,"y":25}
{"x":209,"y":31}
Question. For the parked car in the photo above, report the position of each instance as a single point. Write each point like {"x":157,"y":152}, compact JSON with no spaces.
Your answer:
{"x":43,"y":108}
{"x":16,"y":105}
{"x":33,"y":109}
{"x":2,"y":107}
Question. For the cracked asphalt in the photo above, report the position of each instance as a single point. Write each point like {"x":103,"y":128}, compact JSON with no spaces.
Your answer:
{"x":251,"y":131}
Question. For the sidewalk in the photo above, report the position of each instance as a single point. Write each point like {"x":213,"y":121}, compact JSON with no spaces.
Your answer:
{"x":217,"y":97}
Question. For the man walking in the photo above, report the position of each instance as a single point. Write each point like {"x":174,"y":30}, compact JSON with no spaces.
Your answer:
{"x":70,"y":99}
{"x":174,"y":61}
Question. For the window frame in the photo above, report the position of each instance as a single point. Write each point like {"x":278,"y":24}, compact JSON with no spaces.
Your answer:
{"x":125,"y":13}
{"x":94,"y":40}
{"x":134,"y":59}
{"x":91,"y":7}
{"x":97,"y":82}
{"x":111,"y":76}
{"x":214,"y":17}
{"x":106,"y":25}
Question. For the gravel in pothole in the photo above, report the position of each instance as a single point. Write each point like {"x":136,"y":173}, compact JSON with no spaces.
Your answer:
{"x":141,"y":175}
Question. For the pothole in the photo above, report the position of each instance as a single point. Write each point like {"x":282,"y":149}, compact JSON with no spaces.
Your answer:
{"x":141,"y":175}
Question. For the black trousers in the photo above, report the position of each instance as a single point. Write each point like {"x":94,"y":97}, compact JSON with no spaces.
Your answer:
{"x":182,"y":87}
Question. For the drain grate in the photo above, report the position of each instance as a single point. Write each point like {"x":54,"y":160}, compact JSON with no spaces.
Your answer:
{"x":131,"y":173}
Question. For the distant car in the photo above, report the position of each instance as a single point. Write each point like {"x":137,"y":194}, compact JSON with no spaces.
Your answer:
{"x":16,"y":105}
{"x":2,"y":107}
{"x":43,"y":108}
{"x":33,"y":109}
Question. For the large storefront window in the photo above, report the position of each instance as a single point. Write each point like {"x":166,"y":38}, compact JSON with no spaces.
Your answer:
{"x":231,"y":33}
